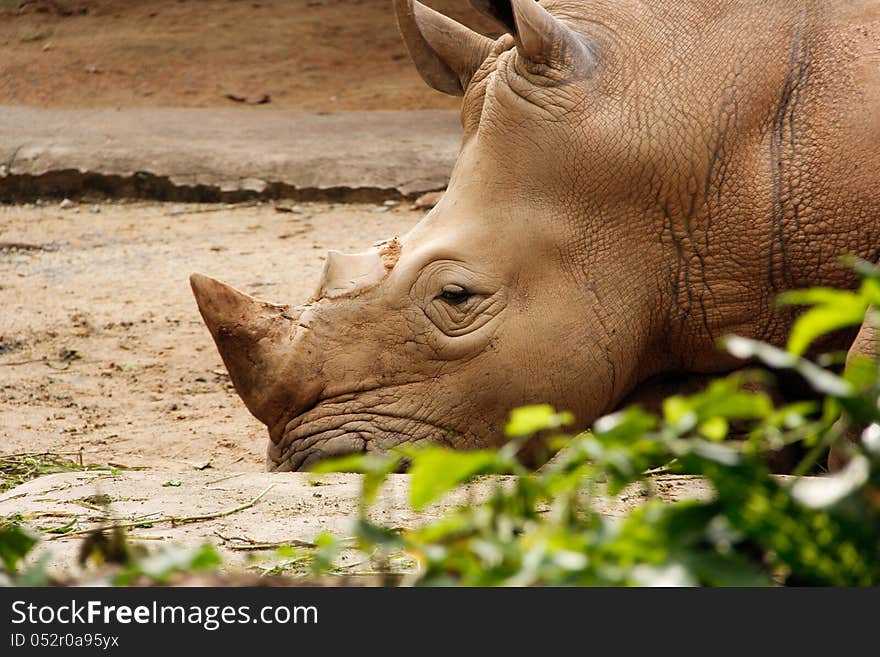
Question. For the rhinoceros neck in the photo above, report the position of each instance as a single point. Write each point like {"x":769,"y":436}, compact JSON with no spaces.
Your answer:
{"x":765,"y":174}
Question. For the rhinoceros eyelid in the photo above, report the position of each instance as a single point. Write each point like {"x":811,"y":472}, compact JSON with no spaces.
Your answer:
{"x":454,"y":294}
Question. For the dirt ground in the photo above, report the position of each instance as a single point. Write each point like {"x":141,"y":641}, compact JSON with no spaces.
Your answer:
{"x":297,"y":54}
{"x":101,"y":345}
{"x":102,"y":348}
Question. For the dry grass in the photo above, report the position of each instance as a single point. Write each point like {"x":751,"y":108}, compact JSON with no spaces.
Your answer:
{"x":16,"y":469}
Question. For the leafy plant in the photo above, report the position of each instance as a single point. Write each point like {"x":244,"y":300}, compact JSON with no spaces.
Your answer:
{"x":161,"y":566}
{"x":16,"y":542}
{"x":543,"y":528}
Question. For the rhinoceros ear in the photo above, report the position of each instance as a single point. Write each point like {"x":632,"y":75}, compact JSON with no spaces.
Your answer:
{"x":446,"y":53}
{"x":540,"y":37}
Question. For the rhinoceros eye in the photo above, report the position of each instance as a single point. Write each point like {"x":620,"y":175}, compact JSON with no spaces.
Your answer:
{"x":454,"y":294}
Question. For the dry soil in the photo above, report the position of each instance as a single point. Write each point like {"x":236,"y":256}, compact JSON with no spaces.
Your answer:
{"x":297,"y":54}
{"x":102,"y":348}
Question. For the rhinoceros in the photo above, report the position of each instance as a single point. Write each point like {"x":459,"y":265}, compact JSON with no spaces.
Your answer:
{"x":635,"y":180}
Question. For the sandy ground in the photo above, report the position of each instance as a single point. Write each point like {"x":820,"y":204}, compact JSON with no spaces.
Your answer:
{"x":300,"y":54}
{"x":290,"y":507}
{"x":101,"y":345}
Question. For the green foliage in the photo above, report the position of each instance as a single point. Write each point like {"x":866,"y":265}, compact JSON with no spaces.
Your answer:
{"x":436,"y":471}
{"x":528,"y":420}
{"x":171,"y":560}
{"x":129,"y":564}
{"x":756,"y":528}
{"x":15,"y":543}
{"x":549,"y":527}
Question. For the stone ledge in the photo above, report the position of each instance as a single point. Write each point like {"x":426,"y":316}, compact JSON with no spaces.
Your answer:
{"x":225,"y":154}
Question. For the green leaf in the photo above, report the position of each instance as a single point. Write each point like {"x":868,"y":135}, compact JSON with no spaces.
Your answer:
{"x":666,"y":575}
{"x":822,"y":380}
{"x":375,"y":468}
{"x":678,"y":411}
{"x":527,"y":420}
{"x":160,"y":566}
{"x":823,"y":492}
{"x":735,"y":404}
{"x":372,"y":535}
{"x":821,"y":320}
{"x":727,"y":570}
{"x":863,"y":268}
{"x":870,"y":290}
{"x":15,"y":543}
{"x":435,"y":471}
{"x":350,"y":463}
{"x":861,"y":371}
{"x":721,"y":454}
{"x":625,"y":425}
{"x":793,"y":415}
{"x":816,"y":296}
{"x":715,"y":428}
{"x":327,"y":549}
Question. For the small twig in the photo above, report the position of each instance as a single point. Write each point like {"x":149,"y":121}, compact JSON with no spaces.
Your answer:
{"x":214,"y":209}
{"x":220,"y":514}
{"x":50,"y":514}
{"x":124,"y":525}
{"x":177,"y":520}
{"x":40,"y":360}
{"x":256,"y":547}
{"x":217,"y":481}
{"x":23,"y":362}
{"x":21,"y":246}
{"x":145,"y":537}
{"x":247,"y":543}
{"x":87,"y":505}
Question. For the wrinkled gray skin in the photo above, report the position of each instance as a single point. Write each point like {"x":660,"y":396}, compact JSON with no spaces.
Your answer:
{"x":636,"y":179}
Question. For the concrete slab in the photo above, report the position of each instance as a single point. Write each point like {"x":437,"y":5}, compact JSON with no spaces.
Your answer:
{"x":224,"y":154}
{"x":292,"y":507}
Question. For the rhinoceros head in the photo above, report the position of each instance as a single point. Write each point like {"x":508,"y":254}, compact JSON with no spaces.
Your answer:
{"x":521,"y":286}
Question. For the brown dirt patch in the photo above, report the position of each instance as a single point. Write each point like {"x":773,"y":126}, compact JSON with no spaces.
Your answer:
{"x":301,"y":54}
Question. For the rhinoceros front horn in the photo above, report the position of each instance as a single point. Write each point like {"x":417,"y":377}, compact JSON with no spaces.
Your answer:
{"x":256,"y":341}
{"x":446,"y":53}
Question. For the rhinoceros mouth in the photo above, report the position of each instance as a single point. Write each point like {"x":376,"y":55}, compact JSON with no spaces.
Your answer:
{"x":324,"y":432}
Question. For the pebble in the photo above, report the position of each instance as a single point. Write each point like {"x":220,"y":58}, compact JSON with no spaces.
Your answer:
{"x":96,"y":209}
{"x":381,"y":208}
{"x":66,"y":203}
{"x":391,"y":203}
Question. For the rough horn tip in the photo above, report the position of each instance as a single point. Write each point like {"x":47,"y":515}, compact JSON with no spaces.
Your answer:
{"x":203,"y":285}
